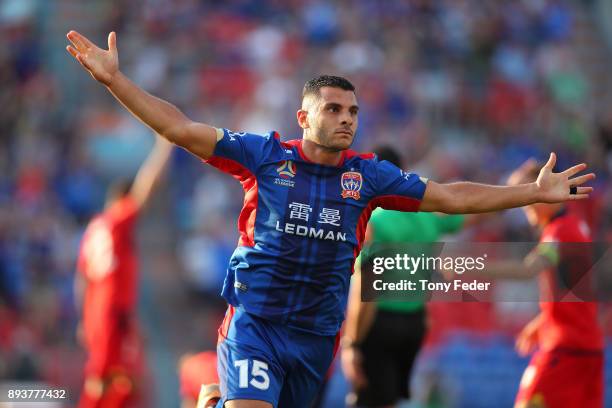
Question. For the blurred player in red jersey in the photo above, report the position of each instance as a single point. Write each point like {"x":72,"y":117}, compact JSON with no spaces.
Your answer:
{"x":196,"y":371}
{"x":567,"y":369}
{"x":106,"y":288}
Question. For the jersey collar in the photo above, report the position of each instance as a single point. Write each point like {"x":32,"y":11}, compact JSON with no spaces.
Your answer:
{"x":346,"y":154}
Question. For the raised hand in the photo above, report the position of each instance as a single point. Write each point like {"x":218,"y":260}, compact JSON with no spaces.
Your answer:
{"x":352,"y":365}
{"x":527,"y":340}
{"x":555,"y":187}
{"x":101,"y":64}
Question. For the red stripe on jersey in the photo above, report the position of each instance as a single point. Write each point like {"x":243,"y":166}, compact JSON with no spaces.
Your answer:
{"x":297,"y":143}
{"x":346,"y":154}
{"x":330,"y":370}
{"x":227,"y":320}
{"x":398,"y":203}
{"x":290,"y":143}
{"x":246,"y":219}
{"x":362,"y":225}
{"x":351,"y":153}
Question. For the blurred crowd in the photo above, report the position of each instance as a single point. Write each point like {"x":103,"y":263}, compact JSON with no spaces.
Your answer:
{"x":466,"y":89}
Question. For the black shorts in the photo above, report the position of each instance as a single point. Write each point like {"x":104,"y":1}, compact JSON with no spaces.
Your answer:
{"x":389,"y":351}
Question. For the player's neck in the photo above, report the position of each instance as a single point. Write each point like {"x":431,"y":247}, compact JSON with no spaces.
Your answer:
{"x":320,"y":154}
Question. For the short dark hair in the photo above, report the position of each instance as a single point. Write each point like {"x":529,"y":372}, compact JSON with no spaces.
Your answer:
{"x":313,"y":86}
{"x":389,"y":154}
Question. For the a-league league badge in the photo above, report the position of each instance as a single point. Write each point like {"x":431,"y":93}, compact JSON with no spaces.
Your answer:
{"x":286,"y":169}
{"x":351,"y":183}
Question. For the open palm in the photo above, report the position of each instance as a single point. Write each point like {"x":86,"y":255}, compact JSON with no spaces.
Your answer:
{"x":101,"y":64}
{"x":555,"y":187}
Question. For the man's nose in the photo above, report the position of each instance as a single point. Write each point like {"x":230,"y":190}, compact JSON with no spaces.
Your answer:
{"x":347,"y":119}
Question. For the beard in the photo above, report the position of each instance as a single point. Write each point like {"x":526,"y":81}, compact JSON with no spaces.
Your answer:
{"x":330,"y":143}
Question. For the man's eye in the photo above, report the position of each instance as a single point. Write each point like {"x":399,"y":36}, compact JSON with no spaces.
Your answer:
{"x":334,"y":109}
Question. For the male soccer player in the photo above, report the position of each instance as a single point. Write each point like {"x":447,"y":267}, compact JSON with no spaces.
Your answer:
{"x":382,"y":339}
{"x":306,"y":206}
{"x":567,"y":370}
{"x":106,"y":287}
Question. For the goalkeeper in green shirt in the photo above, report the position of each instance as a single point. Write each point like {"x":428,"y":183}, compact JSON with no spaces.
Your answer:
{"x":381,"y":339}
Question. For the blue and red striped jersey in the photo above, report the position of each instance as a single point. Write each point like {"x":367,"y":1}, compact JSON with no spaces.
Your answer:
{"x":302,"y":226}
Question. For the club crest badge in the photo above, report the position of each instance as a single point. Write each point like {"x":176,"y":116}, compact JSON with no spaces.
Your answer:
{"x":351,"y":182}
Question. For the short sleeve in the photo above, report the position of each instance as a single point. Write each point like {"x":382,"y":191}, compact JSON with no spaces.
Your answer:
{"x":239,"y":151}
{"x":397,"y":189}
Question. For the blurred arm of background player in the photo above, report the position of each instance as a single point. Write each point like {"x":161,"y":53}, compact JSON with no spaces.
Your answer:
{"x":359,"y":318}
{"x":469,"y":198}
{"x":536,"y":262}
{"x":150,"y":173}
{"x":527,"y":340}
{"x":164,"y":118}
{"x":145,"y":183}
{"x":530,"y":267}
{"x":361,"y":315}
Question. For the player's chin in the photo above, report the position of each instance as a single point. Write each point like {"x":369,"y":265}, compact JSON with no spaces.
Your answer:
{"x":342,"y":141}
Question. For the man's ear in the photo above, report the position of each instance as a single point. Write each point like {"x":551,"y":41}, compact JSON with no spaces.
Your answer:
{"x":302,"y":118}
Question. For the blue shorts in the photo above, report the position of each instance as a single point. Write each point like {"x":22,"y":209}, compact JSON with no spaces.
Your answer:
{"x":263,"y":360}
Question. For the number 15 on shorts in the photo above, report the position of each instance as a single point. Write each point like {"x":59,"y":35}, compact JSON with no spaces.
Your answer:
{"x":259,"y":374}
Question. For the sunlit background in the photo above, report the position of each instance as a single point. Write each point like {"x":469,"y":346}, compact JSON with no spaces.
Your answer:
{"x":465,"y":89}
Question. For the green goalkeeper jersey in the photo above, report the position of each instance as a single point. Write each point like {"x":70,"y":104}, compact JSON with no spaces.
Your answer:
{"x":396,"y":227}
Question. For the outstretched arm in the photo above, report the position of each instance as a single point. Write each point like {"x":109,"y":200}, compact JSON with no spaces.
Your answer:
{"x":528,"y":338}
{"x":470,"y":198}
{"x":164,"y":118}
{"x":150,"y":172}
{"x":527,"y":268}
{"x":359,"y":318}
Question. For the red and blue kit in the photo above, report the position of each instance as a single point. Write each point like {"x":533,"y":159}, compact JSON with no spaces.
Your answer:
{"x":301,"y":227}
